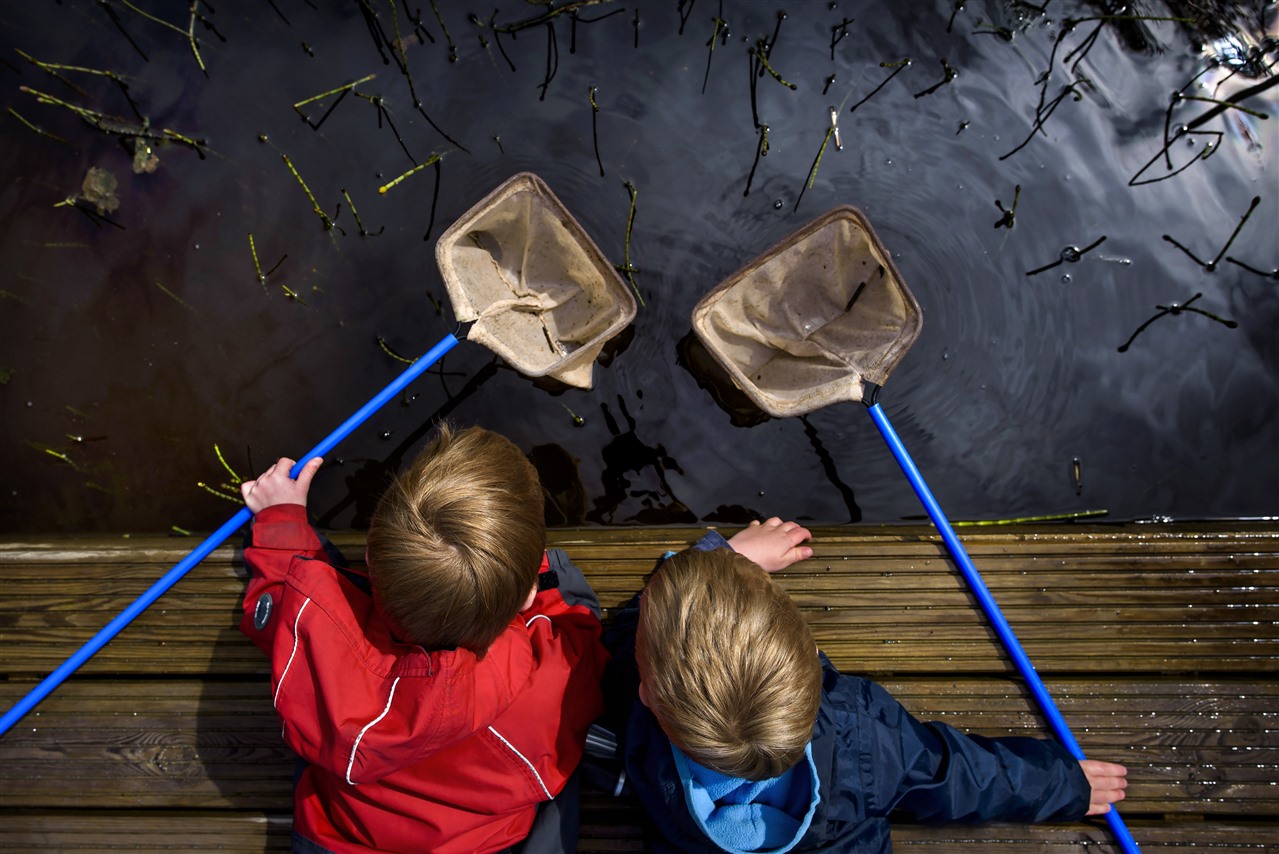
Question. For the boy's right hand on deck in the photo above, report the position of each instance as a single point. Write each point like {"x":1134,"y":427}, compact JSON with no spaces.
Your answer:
{"x":276,"y":487}
{"x":1108,"y":782}
{"x":773,"y":544}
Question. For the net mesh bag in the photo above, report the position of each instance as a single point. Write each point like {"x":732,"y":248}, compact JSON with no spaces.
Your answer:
{"x":810,"y":320}
{"x":539,"y":291}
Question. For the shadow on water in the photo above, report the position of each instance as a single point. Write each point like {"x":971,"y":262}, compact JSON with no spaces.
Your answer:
{"x":626,"y":456}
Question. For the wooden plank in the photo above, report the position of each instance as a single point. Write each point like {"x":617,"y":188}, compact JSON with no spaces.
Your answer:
{"x":161,"y":833}
{"x":1193,"y":746}
{"x":1130,"y":599}
{"x":606,"y":828}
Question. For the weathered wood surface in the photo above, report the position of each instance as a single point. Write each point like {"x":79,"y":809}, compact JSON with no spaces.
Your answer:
{"x":165,"y":832}
{"x":1100,"y":600}
{"x":1207,"y":747}
{"x":1159,"y":644}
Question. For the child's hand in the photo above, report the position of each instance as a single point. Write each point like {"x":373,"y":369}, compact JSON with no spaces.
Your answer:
{"x":276,"y":487}
{"x":773,"y":544}
{"x":1108,"y":782}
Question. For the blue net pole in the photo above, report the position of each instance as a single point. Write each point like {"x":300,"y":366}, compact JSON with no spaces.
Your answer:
{"x":996,"y":617}
{"x":158,"y":589}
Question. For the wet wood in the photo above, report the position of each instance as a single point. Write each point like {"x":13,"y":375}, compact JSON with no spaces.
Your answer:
{"x":154,"y":744}
{"x":1159,"y":645}
{"x":154,"y":833}
{"x":1095,"y":599}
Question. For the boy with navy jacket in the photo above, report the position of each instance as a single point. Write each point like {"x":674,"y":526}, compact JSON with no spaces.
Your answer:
{"x":738,"y":735}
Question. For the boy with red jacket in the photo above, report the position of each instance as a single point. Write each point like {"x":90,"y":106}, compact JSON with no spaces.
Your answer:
{"x":440,"y":701}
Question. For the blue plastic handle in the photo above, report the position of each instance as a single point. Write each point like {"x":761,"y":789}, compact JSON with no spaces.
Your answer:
{"x":111,"y":629}
{"x":975,"y":583}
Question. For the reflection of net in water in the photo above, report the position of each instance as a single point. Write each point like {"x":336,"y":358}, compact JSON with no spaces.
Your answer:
{"x":807,"y":322}
{"x":540,"y":293}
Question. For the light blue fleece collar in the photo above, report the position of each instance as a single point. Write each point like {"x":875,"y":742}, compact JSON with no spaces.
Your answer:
{"x":744,"y":817}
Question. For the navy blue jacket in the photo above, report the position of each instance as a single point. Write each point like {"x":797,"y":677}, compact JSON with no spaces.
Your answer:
{"x":869,"y":755}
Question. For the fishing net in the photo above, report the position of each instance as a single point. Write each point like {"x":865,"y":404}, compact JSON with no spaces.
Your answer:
{"x":805,"y":324}
{"x":541,"y":294}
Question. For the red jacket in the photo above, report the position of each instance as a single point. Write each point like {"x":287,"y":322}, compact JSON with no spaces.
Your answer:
{"x":411,"y":750}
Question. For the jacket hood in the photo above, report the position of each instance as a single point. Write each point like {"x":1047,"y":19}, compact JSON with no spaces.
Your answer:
{"x":746,"y":817}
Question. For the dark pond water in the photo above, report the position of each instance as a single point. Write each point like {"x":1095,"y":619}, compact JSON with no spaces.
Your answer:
{"x":128,"y":353}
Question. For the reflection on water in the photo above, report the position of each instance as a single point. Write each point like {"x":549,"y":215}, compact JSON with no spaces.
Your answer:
{"x":195,"y":251}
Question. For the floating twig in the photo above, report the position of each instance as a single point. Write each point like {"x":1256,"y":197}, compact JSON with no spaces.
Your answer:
{"x":1042,"y":115}
{"x":433,"y":159}
{"x":278,"y":12}
{"x":1071,"y":254}
{"x":1175,"y":309}
{"x":435,"y":198}
{"x":189,"y":32}
{"x":235,"y":478}
{"x":898,"y":67}
{"x":1273,"y":274}
{"x":761,"y":150}
{"x":262,"y":277}
{"x":57,"y":455}
{"x":114,"y":125}
{"x":719,"y":22}
{"x":812,"y":172}
{"x":179,"y":300}
{"x":761,"y":50}
{"x":552,"y":59}
{"x":37,"y":128}
{"x":340,"y":90}
{"x":225,"y":496}
{"x":87,"y":208}
{"x":386,"y":348}
{"x":683,"y":15}
{"x":445,"y":30}
{"x":383,"y":111}
{"x":115,"y":19}
{"x":948,"y":74}
{"x":1204,"y":153}
{"x":627,"y":267}
{"x":595,"y":136}
{"x":328,"y":221}
{"x":1210,"y":266}
{"x":838,"y":32}
{"x":1009,"y":218}
{"x":364,"y":232}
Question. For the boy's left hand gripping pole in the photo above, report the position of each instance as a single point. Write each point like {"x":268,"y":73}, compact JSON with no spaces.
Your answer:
{"x":113,"y":628}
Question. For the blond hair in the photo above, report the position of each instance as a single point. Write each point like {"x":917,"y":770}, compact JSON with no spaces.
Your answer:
{"x":456,"y":541}
{"x":728,"y":664}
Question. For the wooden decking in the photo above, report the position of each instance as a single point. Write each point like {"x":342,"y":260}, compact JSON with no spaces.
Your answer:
{"x":1159,"y":643}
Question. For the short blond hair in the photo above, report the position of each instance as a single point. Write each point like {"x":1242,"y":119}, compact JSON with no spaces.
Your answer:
{"x":728,"y":664}
{"x":456,"y":542}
